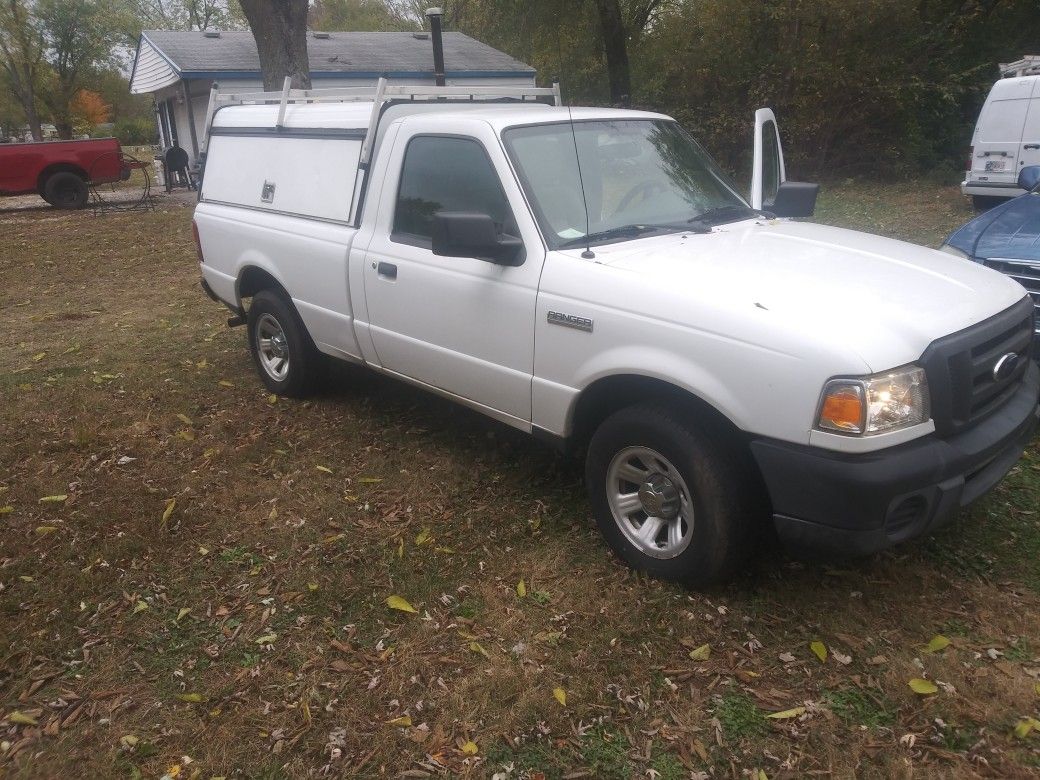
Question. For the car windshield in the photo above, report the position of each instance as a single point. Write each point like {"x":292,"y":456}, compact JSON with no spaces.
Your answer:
{"x":640,"y":176}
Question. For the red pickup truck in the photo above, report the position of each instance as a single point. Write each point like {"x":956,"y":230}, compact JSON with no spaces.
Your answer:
{"x":60,"y":172}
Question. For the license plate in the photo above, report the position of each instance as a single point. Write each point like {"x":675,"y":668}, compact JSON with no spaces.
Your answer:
{"x":995,"y":165}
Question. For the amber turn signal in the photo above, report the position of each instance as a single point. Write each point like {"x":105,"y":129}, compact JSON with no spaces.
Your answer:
{"x":843,"y":408}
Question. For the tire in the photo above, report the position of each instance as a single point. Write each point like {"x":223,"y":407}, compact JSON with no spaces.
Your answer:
{"x":985,"y":202}
{"x":714,"y":485}
{"x":66,"y":190}
{"x":288,"y":362}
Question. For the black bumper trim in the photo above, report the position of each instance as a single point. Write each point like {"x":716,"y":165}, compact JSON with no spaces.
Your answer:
{"x":856,"y":504}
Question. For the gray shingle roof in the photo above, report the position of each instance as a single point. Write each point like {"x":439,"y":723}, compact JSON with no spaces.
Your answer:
{"x":342,"y":52}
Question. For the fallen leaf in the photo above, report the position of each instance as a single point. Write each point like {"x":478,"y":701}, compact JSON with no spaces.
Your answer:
{"x":396,"y":602}
{"x":560,"y":695}
{"x":423,"y":537}
{"x":1036,"y":689}
{"x":404,"y":721}
{"x":140,"y":606}
{"x":38,"y":357}
{"x":936,"y":643}
{"x":43,"y":530}
{"x":181,"y":613}
{"x":6,"y":510}
{"x":128,"y":740}
{"x":21,"y":718}
{"x":225,"y":383}
{"x":922,"y":687}
{"x":521,"y":589}
{"x":186,"y":435}
{"x":191,"y":698}
{"x":185,"y":419}
{"x":842,"y":659}
{"x":170,"y":504}
{"x":794,"y":712}
{"x":267,"y":638}
{"x":324,"y":469}
{"x":53,"y":499}
{"x":470,"y":749}
{"x":702,"y":653}
{"x":312,"y":587}
{"x":819,"y":650}
{"x":476,"y":648}
{"x":1025,"y":726}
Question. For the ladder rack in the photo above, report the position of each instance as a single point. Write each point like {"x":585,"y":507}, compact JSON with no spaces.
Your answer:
{"x":379,"y":95}
{"x":1029,"y":65}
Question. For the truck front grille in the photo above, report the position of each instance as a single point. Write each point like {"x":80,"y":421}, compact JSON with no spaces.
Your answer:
{"x":960,"y":367}
{"x":1026,"y":273}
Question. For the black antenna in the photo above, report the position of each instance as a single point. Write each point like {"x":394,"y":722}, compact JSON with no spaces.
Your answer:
{"x":588,"y":254}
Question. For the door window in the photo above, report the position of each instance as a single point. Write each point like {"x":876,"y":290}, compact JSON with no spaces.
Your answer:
{"x":770,"y":163}
{"x":442,"y":173}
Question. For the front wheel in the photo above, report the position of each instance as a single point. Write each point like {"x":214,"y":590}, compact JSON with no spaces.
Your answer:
{"x":672,"y":499}
{"x":285,"y":357}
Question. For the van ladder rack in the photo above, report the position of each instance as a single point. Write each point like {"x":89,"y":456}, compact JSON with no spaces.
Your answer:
{"x":382,"y":93}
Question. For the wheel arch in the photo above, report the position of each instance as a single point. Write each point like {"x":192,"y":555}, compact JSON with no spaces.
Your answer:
{"x":612,"y":393}
{"x":252,"y":279}
{"x":59,"y":167}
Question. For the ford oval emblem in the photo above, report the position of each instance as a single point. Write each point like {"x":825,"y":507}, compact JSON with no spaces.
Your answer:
{"x":1005,"y":367}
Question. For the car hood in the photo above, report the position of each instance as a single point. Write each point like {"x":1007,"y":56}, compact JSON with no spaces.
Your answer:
{"x":886,"y":300}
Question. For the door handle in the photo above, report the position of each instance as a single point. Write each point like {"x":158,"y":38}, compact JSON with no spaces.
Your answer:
{"x":1031,"y":146}
{"x":387,"y":271}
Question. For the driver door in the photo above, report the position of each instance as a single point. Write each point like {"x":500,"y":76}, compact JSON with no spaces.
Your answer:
{"x":768,"y":172}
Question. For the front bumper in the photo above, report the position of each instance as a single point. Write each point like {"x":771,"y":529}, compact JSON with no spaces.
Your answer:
{"x":858,"y":504}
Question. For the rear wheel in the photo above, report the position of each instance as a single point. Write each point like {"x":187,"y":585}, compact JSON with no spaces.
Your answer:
{"x":673,"y":499}
{"x":66,"y":190}
{"x":285,"y":356}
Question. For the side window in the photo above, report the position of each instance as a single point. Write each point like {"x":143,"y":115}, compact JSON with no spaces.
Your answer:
{"x":770,"y":163}
{"x":446,"y":174}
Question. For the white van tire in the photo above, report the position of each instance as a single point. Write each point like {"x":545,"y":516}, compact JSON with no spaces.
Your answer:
{"x":654,"y":456}
{"x":285,"y":357}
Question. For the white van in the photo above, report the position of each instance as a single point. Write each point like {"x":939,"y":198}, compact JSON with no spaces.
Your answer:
{"x":1006,"y":139}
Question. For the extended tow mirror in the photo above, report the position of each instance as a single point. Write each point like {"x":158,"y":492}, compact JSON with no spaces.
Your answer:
{"x":795,"y":199}
{"x":469,"y":234}
{"x":1029,"y":177}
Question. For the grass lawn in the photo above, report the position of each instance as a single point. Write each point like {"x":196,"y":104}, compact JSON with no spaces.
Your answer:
{"x":194,"y":574}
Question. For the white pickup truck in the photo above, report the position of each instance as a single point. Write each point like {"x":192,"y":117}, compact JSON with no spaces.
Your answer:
{"x":592,"y":277}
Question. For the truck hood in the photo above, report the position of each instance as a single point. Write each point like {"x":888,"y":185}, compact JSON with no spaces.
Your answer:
{"x":884,"y":299}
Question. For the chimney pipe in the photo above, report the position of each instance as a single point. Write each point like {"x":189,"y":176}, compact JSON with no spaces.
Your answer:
{"x":434,"y":15}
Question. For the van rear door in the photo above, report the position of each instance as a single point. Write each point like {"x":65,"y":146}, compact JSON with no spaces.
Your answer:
{"x":1030,"y":152}
{"x":998,"y":134}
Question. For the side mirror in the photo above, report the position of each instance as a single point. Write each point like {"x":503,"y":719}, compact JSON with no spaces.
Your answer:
{"x":794,"y":199}
{"x":1029,"y":177}
{"x":468,"y":234}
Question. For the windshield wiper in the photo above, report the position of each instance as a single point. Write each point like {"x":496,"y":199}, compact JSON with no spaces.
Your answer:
{"x":724,"y":214}
{"x":615,"y":232}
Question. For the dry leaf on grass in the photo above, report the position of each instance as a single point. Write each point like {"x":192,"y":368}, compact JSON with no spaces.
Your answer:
{"x":794,"y":712}
{"x":936,"y":643}
{"x":396,"y":602}
{"x":560,"y":695}
{"x":819,"y":650}
{"x":702,"y":653}
{"x":923,"y":687}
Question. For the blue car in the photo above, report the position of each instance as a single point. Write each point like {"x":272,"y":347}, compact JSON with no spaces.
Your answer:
{"x":1007,"y":239}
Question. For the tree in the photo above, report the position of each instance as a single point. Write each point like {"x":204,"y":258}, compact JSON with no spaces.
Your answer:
{"x":187,"y":14}
{"x":280,"y":30}
{"x":21,"y":58}
{"x":358,"y":15}
{"x":89,"y":110}
{"x":81,"y":36}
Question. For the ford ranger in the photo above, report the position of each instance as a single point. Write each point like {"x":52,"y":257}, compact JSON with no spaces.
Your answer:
{"x":592,"y":277}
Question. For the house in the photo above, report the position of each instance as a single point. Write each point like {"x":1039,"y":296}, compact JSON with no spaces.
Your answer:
{"x":178,"y":69}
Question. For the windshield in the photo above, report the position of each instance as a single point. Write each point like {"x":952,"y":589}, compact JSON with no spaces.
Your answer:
{"x":640,"y":176}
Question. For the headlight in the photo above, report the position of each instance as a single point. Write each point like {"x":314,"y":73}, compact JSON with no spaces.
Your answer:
{"x":875,"y":404}
{"x":952,"y":250}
